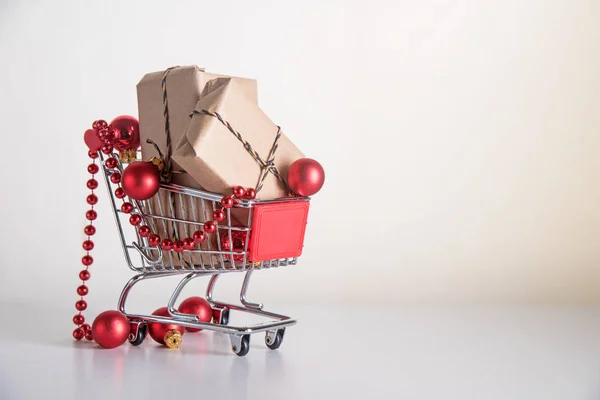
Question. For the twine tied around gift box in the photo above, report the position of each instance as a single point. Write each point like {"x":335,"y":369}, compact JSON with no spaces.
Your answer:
{"x":266,"y":167}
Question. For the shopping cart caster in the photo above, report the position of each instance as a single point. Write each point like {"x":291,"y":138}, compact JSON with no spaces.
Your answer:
{"x":240,"y":345}
{"x":273,"y":339}
{"x":138,"y":333}
{"x":221,"y":315}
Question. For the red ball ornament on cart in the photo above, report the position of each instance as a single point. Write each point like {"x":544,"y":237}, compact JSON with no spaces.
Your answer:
{"x":239,"y":241}
{"x":126,"y":130}
{"x":110,"y":329}
{"x":158,"y":331}
{"x":305,"y":177}
{"x":196,"y":306}
{"x":140,"y":180}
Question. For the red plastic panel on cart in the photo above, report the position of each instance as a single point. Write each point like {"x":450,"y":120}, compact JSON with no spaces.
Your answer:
{"x":278,"y":230}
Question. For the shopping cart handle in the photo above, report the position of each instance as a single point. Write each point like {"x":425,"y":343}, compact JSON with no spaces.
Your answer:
{"x":145,"y":257}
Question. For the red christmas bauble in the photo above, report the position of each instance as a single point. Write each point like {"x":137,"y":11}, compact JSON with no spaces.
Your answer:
{"x":110,"y":329}
{"x":197,"y":306}
{"x":91,"y":139}
{"x":158,"y":331}
{"x":140,"y":180}
{"x":239,"y":241}
{"x":127,"y":132}
{"x":306,"y":177}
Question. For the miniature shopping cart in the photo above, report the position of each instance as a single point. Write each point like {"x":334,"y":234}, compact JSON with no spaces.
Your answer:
{"x":274,"y":231}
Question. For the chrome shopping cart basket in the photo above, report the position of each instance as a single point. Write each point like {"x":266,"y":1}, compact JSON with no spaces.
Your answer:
{"x":180,"y":211}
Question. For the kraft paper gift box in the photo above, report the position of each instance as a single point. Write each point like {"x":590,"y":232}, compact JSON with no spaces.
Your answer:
{"x":183,"y":87}
{"x":214,"y":150}
{"x":180,"y":88}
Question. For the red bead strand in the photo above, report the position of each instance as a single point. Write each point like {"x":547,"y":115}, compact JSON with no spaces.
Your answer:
{"x":81,"y":332}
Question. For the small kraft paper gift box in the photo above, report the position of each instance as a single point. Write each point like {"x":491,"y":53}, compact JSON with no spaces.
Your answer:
{"x":166,"y":100}
{"x":230,"y":141}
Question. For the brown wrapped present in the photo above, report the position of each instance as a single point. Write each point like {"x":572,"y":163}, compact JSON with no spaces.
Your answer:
{"x":229,"y":141}
{"x":165,"y":101}
{"x":167,"y":98}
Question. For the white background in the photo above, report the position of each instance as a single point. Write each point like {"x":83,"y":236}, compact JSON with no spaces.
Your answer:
{"x":460,"y":138}
{"x":461,"y":144}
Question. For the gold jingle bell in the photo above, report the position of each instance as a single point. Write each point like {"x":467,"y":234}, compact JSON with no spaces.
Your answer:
{"x":173,"y":339}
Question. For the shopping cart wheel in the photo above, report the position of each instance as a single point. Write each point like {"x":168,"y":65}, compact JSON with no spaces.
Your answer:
{"x":224,"y":317}
{"x":136,"y":337}
{"x":240,"y":345}
{"x":221,"y":315}
{"x":273,"y":339}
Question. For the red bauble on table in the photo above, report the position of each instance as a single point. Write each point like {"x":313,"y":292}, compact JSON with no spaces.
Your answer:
{"x":239,"y":241}
{"x":158,"y":331}
{"x":305,"y":177}
{"x":91,"y":139}
{"x":196,"y":306}
{"x":110,"y":329}
{"x":126,"y":130}
{"x":140,"y":180}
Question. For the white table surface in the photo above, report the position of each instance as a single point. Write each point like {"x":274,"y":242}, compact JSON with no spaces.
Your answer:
{"x":337,"y":352}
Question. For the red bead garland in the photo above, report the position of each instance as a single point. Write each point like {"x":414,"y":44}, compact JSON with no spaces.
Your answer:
{"x":107,"y":137}
{"x":80,"y":332}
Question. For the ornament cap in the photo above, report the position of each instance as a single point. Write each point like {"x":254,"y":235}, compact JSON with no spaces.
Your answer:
{"x":173,"y":339}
